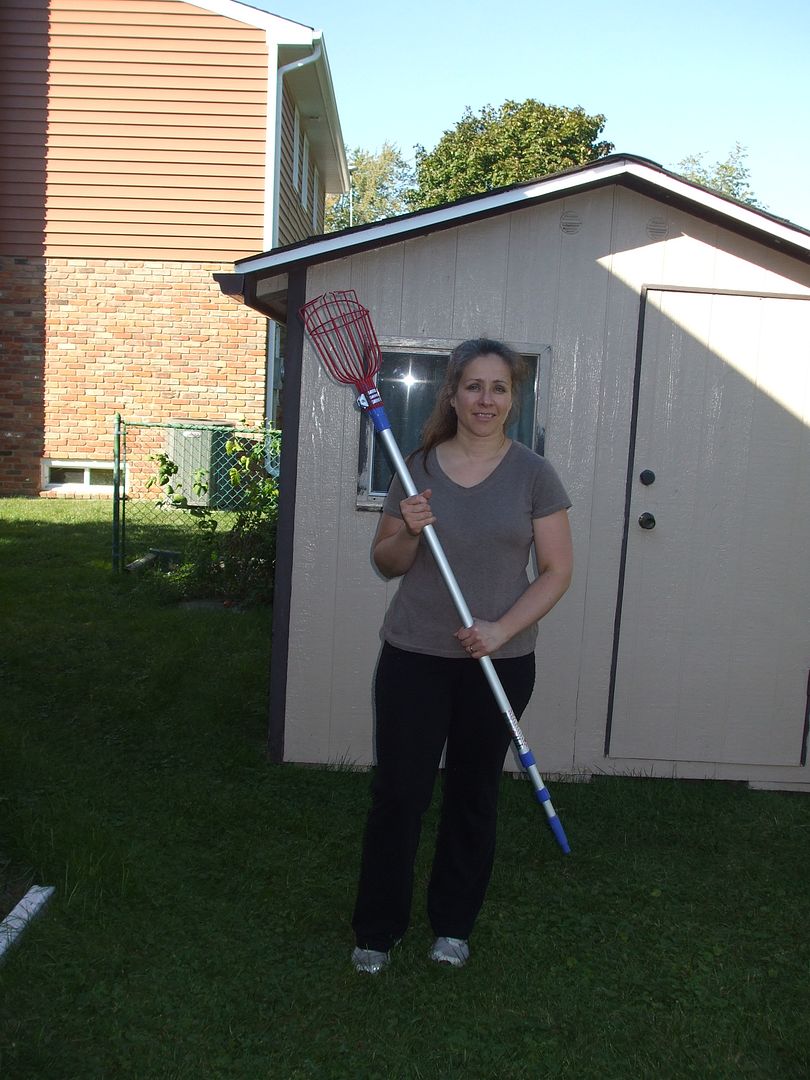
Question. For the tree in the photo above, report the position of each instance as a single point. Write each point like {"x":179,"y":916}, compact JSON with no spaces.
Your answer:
{"x":379,"y":183}
{"x":492,"y":148}
{"x":729,"y":177}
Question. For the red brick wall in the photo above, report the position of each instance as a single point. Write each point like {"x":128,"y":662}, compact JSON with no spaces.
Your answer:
{"x":151,"y":340}
{"x":22,"y":352}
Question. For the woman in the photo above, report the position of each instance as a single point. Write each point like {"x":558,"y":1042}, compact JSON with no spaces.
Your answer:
{"x":491,"y":501}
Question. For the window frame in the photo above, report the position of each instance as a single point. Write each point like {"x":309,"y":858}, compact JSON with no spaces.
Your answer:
{"x":87,"y":466}
{"x":368,"y":499}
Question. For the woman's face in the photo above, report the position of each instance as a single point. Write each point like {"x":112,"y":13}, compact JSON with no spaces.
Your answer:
{"x":484,"y":396}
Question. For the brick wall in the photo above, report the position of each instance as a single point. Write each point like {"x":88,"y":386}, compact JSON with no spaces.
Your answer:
{"x":22,"y":352}
{"x":151,"y":340}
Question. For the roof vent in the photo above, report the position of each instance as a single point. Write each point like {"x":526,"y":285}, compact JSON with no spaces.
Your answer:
{"x":658,"y":228}
{"x":570,"y":222}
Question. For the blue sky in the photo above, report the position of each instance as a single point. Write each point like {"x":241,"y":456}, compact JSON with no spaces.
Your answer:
{"x":672,"y":79}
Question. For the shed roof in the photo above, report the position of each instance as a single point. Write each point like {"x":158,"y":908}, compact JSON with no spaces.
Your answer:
{"x":629,"y":170}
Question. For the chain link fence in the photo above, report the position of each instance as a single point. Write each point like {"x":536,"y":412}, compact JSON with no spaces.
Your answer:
{"x":167,"y":476}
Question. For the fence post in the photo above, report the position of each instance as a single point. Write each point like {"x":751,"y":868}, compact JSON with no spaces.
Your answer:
{"x":116,"y":541}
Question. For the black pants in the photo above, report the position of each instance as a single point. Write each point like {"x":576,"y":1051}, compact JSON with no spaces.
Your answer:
{"x":422,"y":703}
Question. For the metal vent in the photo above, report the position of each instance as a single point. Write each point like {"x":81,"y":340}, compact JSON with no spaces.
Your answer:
{"x":658,"y":228}
{"x":570,"y":222}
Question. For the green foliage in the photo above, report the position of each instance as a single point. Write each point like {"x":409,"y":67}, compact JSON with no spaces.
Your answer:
{"x":235,"y":563}
{"x":379,"y":183}
{"x":516,"y":142}
{"x":730,"y":177}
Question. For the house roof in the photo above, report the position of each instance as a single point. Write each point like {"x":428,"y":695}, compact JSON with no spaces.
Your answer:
{"x":631,"y":171}
{"x":315,"y":96}
{"x":311,"y":84}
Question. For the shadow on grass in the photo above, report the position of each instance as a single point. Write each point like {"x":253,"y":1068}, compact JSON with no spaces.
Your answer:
{"x":200,"y":925}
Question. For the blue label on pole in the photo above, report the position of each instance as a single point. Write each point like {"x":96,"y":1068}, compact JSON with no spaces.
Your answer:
{"x":379,"y":418}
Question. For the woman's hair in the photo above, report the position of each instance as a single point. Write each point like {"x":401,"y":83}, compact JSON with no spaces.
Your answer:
{"x":442,"y":423}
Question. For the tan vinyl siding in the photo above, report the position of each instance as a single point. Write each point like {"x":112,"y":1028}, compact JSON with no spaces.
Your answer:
{"x":23,"y":118}
{"x":295,"y":222}
{"x":156,"y":131}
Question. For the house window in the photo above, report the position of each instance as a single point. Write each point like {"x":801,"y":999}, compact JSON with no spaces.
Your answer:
{"x":408,"y":382}
{"x":77,"y":476}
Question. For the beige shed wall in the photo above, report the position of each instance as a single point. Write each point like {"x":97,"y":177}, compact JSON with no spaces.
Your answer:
{"x":524,"y":278}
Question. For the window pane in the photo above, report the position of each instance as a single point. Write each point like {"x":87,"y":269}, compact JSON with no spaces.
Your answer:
{"x":59,"y":475}
{"x":408,"y":383}
{"x":101,"y":477}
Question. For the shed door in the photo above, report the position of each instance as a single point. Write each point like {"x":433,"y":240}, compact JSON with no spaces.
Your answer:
{"x":713,"y":635}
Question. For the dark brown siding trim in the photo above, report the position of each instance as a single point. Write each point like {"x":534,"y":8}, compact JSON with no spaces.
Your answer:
{"x":285,"y":536}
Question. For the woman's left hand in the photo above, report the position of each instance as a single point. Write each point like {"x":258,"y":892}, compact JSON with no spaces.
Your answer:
{"x":481,"y":639}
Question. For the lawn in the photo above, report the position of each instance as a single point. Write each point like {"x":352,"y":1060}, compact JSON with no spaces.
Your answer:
{"x":200,"y":923}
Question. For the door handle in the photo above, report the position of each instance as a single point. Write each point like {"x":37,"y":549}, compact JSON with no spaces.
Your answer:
{"x":647,"y":520}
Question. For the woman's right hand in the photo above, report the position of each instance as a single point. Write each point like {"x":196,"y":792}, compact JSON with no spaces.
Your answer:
{"x":416,"y":512}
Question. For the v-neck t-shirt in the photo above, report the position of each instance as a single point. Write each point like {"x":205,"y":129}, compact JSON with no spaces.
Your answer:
{"x":486,"y":533}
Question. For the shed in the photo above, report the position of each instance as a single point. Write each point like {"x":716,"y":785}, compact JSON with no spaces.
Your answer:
{"x":670,"y":332}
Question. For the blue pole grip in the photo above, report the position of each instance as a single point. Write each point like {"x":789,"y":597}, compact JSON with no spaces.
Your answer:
{"x":559,"y":834}
{"x":543,"y":797}
{"x":379,"y":418}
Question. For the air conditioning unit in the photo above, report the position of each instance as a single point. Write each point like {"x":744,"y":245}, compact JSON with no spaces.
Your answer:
{"x":203,"y":464}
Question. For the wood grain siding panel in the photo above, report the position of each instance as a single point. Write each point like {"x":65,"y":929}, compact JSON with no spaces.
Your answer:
{"x":156,"y":131}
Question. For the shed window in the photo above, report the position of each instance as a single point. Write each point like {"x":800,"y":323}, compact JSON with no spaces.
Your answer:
{"x":408,"y":382}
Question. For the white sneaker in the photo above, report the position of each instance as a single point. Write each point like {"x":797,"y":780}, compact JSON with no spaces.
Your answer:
{"x":372,"y":961}
{"x":450,"y":950}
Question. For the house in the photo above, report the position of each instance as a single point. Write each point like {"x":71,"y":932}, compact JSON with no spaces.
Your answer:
{"x":669,"y":329}
{"x":144,"y":143}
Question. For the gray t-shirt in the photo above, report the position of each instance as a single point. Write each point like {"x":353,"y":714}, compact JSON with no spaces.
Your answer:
{"x":486,"y":533}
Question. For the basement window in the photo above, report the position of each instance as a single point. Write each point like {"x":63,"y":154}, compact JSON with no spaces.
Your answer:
{"x":97,"y":476}
{"x":408,"y":382}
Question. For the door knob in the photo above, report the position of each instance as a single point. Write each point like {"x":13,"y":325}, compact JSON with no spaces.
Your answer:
{"x":647,"y":521}
{"x":647,"y":477}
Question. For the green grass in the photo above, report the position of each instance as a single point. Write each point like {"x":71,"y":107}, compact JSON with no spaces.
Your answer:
{"x":200,"y":923}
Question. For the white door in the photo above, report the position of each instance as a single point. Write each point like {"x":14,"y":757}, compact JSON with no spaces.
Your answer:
{"x":713,"y":646}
